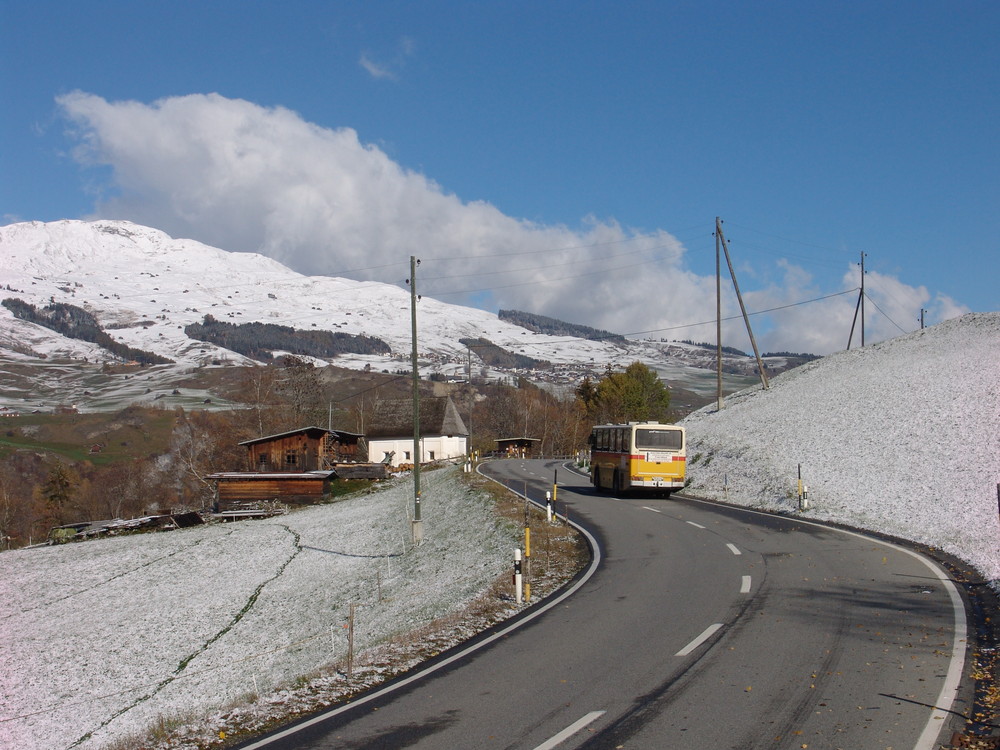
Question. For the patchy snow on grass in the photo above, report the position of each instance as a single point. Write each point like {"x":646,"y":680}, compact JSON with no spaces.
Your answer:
{"x":900,"y":438}
{"x":103,"y":639}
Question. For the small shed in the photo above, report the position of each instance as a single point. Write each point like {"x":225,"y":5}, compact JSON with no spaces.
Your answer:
{"x":519,"y":447}
{"x":303,"y":450}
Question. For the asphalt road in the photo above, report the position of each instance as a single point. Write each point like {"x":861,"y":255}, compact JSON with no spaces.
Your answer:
{"x":699,"y":627}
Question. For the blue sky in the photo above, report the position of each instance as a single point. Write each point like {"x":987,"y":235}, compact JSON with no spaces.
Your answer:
{"x":566,"y":158}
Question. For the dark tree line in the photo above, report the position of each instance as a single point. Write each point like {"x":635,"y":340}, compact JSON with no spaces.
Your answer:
{"x":76,"y":323}
{"x":554,"y":327}
{"x":496,"y":356}
{"x":259,"y":340}
{"x":713,"y":347}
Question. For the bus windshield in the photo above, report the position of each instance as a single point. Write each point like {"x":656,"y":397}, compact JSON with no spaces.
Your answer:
{"x":646,"y":439}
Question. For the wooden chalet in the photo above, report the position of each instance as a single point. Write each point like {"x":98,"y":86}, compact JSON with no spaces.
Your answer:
{"x":292,"y":468}
{"x":520,"y":447}
{"x":443,"y":434}
{"x":303,"y":450}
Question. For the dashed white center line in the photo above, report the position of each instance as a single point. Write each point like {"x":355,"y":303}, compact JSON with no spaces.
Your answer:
{"x":734,"y":549}
{"x":696,"y":525}
{"x":646,"y":507}
{"x":569,"y":731}
{"x":709,"y":632}
{"x":745,"y":588}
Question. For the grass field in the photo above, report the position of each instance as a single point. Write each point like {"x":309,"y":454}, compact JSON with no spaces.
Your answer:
{"x":100,"y":437}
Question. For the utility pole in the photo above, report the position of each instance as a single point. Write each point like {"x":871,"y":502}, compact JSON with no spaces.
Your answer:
{"x":922,"y":313}
{"x":418,"y":526}
{"x":718,"y":317}
{"x":862,"y":300}
{"x":860,"y":306}
{"x":746,"y":318}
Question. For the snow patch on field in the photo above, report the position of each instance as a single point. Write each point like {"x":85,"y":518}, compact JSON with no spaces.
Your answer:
{"x":103,"y":638}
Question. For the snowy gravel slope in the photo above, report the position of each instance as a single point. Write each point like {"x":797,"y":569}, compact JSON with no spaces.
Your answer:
{"x":901,"y":438}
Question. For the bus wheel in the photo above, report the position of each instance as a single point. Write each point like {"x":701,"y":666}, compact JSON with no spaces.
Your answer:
{"x":596,"y":479}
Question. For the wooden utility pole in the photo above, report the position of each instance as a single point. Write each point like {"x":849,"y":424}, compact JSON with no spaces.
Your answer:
{"x":418,"y":528}
{"x":718,"y":316}
{"x":862,"y":300}
{"x":860,"y":306}
{"x":746,"y":318}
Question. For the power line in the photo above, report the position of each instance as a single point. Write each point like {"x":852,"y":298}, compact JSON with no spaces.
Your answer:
{"x":758,"y":312}
{"x":694,"y":325}
{"x":868,"y":297}
{"x":540,"y":281}
{"x":540,"y":268}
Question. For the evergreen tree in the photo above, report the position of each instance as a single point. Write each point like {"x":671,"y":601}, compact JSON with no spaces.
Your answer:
{"x":586,"y":395}
{"x":57,"y":492}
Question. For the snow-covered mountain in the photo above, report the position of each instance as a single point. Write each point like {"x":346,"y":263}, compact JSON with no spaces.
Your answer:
{"x":144,"y":287}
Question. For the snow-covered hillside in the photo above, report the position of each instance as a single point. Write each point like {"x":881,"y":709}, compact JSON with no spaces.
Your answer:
{"x":901,"y":438}
{"x":99,"y":639}
{"x":144,"y":287}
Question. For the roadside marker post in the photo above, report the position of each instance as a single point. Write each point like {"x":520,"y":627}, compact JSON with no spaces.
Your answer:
{"x":527,"y":563}
{"x":803,"y":493}
{"x":517,"y":575}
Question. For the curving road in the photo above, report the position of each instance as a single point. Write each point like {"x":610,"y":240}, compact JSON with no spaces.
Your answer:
{"x":699,"y":626}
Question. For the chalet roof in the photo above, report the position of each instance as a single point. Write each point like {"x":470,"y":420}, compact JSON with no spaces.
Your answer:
{"x":393,"y":418}
{"x":313,"y":432}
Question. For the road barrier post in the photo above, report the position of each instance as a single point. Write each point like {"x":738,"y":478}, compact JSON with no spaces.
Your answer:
{"x":803,"y":493}
{"x":517,"y":575}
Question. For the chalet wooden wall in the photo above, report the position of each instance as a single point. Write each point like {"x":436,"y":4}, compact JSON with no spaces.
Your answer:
{"x":300,"y":452}
{"x":238,"y":489}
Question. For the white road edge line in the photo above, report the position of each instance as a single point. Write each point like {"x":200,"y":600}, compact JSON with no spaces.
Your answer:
{"x":696,"y":525}
{"x":734,"y":549}
{"x":709,"y":632}
{"x":953,"y":678}
{"x":745,"y":588}
{"x":570,"y":730}
{"x":461,"y":652}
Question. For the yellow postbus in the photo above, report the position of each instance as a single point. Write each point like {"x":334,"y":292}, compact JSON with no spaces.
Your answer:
{"x":645,"y":456}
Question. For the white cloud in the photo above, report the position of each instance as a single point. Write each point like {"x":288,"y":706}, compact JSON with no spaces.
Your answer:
{"x":375,"y":69}
{"x":381,"y":69}
{"x":244,"y":177}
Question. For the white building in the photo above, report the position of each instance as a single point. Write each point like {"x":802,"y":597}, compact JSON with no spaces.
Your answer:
{"x":443,"y":434}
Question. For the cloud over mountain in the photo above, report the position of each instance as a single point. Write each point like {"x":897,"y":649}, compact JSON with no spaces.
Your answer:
{"x":244,"y":177}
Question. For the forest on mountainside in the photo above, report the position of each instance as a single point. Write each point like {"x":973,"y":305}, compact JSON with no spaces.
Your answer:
{"x":500,"y":358}
{"x":260,"y":340}
{"x":76,"y":323}
{"x":554,"y":327}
